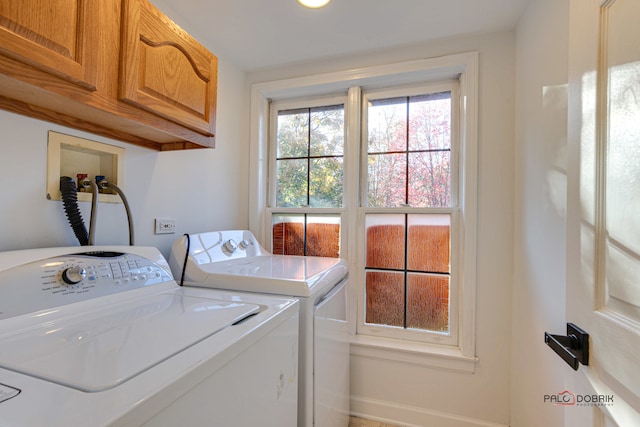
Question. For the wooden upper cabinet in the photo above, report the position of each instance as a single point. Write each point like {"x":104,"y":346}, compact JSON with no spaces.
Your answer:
{"x":164,"y":70}
{"x":117,"y":68}
{"x":61,"y":41}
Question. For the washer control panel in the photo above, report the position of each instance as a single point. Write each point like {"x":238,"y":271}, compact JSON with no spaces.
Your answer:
{"x":73,"y":278}
{"x":216,"y":246}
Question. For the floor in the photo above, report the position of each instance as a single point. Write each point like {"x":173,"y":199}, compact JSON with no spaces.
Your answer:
{"x":361,"y":422}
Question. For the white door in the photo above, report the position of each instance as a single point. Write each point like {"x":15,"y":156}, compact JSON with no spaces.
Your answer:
{"x":603,"y":250}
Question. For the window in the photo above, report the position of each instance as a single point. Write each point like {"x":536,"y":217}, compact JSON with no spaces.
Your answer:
{"x":307,"y":189}
{"x":410,"y":192}
{"x":383,"y":175}
{"x":406,"y":147}
{"x":309,"y":153}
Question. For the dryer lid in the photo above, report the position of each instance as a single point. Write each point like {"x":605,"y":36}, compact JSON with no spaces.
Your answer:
{"x":102,"y":349}
{"x":300,"y":276}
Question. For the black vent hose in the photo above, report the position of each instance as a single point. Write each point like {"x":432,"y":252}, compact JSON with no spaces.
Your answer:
{"x":70,"y":201}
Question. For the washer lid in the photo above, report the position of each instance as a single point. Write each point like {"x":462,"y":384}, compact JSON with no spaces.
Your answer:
{"x":302,"y":276}
{"x":99,"y":350}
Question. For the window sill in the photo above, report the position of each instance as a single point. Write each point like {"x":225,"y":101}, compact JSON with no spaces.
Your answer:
{"x":415,"y":353}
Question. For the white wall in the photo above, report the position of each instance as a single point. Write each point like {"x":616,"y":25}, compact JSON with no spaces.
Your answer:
{"x":407,"y":393}
{"x":202,"y":189}
{"x":540,"y":202}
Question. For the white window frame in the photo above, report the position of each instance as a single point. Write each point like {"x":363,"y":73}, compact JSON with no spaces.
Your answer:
{"x":463,"y":67}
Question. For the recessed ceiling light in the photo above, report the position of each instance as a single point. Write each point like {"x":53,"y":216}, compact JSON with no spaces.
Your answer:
{"x":314,"y":4}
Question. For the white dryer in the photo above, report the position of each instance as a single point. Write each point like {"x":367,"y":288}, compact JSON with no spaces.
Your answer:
{"x":234,"y":260}
{"x":105,"y":337}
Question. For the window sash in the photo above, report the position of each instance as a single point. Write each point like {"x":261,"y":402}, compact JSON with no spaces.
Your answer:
{"x":388,"y":93}
{"x":272,"y":209}
{"x":362,"y":327}
{"x":286,"y":105}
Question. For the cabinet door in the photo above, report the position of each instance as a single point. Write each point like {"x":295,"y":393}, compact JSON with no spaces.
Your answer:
{"x":55,"y":36}
{"x":166,"y":71}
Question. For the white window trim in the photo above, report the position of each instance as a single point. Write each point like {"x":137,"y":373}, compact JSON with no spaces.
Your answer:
{"x":463,"y":66}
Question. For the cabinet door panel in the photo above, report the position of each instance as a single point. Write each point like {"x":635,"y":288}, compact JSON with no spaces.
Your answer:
{"x":167,"y":75}
{"x":165,"y":71}
{"x":55,"y":36}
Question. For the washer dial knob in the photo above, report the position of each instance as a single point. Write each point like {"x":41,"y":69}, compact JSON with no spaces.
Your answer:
{"x":73,"y":275}
{"x":230,"y":245}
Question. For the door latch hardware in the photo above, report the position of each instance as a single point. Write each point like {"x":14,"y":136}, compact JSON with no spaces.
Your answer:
{"x":573,"y":348}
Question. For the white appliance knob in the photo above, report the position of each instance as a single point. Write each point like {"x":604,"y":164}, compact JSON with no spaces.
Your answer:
{"x":73,"y":275}
{"x":230,"y":245}
{"x":244,"y":244}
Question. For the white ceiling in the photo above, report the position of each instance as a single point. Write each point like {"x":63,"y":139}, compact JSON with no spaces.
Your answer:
{"x":256,"y":34}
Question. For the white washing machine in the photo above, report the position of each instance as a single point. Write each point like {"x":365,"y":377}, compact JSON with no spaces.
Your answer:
{"x":105,"y":337}
{"x":233,"y":259}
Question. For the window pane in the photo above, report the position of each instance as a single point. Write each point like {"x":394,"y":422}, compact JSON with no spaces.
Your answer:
{"x":325,"y":183}
{"x":304,"y":234}
{"x":428,"y":302}
{"x":385,"y":298}
{"x":323,"y":235}
{"x":293,"y":133}
{"x":385,"y":241}
{"x":430,"y":179}
{"x":412,"y":288}
{"x":386,"y":180}
{"x":430,"y":121}
{"x":429,"y":243}
{"x":309,"y":157}
{"x":387,"y":125}
{"x":291,"y":181}
{"x":426,"y":146}
{"x":288,"y":234}
{"x":327,"y":131}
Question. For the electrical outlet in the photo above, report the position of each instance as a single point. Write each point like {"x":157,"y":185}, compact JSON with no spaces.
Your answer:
{"x":165,"y":226}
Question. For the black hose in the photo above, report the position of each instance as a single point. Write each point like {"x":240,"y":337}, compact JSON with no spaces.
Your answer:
{"x":186,"y":258}
{"x":70,"y":201}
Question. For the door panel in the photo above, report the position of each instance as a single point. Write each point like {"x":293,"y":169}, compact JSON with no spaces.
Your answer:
{"x":166,"y":71}
{"x":621,"y":133}
{"x":56,"y":36}
{"x":603,"y":270}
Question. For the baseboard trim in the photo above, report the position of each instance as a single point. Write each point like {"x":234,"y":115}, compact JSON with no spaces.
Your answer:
{"x":410,"y":416}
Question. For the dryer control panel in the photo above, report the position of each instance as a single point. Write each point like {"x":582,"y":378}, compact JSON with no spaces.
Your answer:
{"x":67,"y":279}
